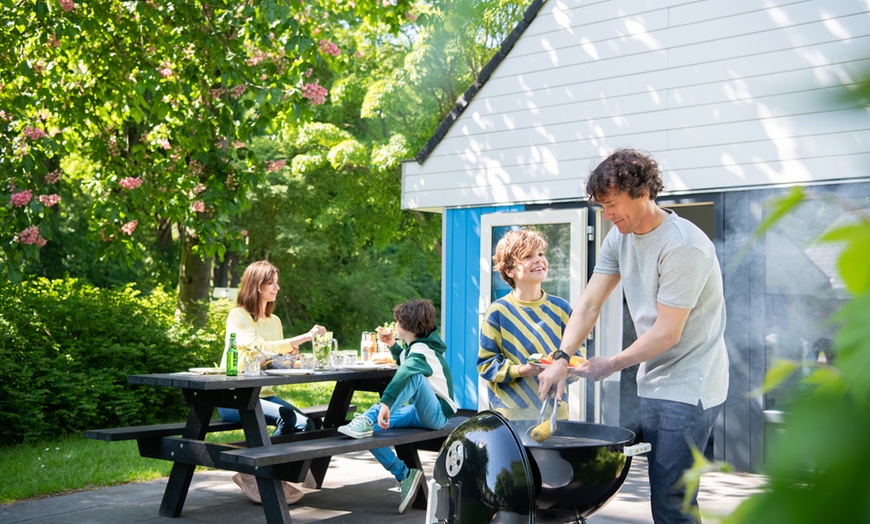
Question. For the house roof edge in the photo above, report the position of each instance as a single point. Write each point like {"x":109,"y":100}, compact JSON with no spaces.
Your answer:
{"x":485,"y":73}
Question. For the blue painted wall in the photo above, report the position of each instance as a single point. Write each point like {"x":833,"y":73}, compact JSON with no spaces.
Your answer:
{"x":461,"y":296}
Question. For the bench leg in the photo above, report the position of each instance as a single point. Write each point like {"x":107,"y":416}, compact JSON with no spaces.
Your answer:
{"x":176,"y":490}
{"x":274,"y":502}
{"x":179,"y":478}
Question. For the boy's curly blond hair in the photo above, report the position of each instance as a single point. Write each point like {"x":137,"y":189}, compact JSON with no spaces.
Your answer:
{"x":513,"y":246}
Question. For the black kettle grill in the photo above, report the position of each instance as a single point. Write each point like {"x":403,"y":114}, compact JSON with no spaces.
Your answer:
{"x":490,"y":470}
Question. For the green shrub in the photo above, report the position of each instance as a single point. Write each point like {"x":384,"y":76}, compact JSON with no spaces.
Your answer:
{"x":67,"y":347}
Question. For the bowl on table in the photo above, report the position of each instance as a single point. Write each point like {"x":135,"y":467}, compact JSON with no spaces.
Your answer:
{"x":280,"y":362}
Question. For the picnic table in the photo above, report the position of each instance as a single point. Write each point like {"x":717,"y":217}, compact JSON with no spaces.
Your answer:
{"x":270,"y":459}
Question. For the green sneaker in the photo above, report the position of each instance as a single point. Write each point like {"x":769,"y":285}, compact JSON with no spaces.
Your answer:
{"x":409,"y":488}
{"x":359,"y":427}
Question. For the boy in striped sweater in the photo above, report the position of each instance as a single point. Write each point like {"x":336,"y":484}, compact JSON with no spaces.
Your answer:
{"x":420,"y":395}
{"x":525,"y":321}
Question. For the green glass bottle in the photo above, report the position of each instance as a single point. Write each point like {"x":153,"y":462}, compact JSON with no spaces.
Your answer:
{"x":232,"y":357}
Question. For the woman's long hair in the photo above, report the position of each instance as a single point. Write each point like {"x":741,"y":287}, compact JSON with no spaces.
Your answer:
{"x":255,"y":276}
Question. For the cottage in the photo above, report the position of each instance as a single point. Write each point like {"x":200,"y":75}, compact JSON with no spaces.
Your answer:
{"x":739,"y":101}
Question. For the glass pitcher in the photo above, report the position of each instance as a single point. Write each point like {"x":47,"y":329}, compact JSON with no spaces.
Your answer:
{"x":324,"y":345}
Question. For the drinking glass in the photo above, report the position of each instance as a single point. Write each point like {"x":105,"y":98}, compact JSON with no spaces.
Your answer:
{"x":253,"y":361}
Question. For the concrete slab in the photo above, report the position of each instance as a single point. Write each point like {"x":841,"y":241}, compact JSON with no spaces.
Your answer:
{"x":356,"y":489}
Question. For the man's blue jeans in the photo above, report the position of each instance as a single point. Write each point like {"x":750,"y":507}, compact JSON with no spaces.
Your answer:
{"x":672,"y":428}
{"x":272,"y":412}
{"x":423,"y":411}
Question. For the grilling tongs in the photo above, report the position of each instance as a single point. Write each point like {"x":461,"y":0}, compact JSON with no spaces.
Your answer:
{"x":545,"y":429}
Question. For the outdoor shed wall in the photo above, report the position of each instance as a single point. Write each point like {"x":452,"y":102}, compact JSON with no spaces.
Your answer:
{"x":724,"y":94}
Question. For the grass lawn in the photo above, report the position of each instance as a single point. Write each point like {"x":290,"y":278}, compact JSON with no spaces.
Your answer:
{"x":73,"y":463}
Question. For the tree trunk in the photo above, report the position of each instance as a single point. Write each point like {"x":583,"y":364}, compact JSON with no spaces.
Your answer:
{"x":193,"y":284}
{"x":225,"y":271}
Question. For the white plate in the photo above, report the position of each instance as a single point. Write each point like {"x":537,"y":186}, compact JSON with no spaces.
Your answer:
{"x":294,"y":371}
{"x":208,"y":371}
{"x":369,"y":367}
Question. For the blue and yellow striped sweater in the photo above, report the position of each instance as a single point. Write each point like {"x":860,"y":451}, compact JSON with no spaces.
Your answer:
{"x":511,"y":331}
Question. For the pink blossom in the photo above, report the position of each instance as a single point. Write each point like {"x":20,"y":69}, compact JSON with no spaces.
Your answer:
{"x":315,"y":93}
{"x":21,"y":199}
{"x":199,"y":188}
{"x":411,"y":17}
{"x":244,"y":232}
{"x":275,"y":165}
{"x":130,"y":183}
{"x":386,"y":3}
{"x":238,"y":90}
{"x":164,"y":143}
{"x":52,"y":177}
{"x":231,"y":182}
{"x":165,"y":69}
{"x":67,"y":5}
{"x":329,"y":48}
{"x":34,"y":133}
{"x":256,"y":58}
{"x":129,"y":227}
{"x":30,"y":236}
{"x":196,"y":167}
{"x":198,"y":206}
{"x":49,"y":200}
{"x":113,"y":146}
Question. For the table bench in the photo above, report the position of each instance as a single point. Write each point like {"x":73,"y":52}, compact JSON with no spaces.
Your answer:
{"x":186,"y":446}
{"x":286,"y":460}
{"x":315,"y":413}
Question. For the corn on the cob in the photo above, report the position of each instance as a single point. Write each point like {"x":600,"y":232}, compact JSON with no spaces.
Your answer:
{"x":542,"y":431}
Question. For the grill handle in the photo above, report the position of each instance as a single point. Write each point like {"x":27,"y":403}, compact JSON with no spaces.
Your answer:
{"x":637,"y":449}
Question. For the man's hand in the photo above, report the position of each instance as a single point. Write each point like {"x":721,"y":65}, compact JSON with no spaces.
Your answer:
{"x":384,"y":417}
{"x":553,"y":377}
{"x":596,"y":368}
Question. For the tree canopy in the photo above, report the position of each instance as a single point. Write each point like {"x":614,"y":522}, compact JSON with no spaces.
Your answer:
{"x":150,"y":107}
{"x":129,"y":130}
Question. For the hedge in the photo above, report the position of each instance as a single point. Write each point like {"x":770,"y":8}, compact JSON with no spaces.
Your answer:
{"x":67,"y":347}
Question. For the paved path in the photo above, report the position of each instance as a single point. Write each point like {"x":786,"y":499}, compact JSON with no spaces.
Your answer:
{"x":357,"y":489}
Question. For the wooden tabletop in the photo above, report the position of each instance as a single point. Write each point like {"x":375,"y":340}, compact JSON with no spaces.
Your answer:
{"x":187,"y":380}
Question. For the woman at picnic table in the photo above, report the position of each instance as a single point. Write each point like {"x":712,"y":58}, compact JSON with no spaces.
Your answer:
{"x":257,"y":328}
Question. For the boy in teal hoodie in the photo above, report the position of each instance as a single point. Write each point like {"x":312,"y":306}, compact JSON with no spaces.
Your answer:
{"x":420,"y":394}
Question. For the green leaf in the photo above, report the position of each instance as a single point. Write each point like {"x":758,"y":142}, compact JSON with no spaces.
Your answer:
{"x":781,"y":207}
{"x":853,"y":263}
{"x":777,"y":374}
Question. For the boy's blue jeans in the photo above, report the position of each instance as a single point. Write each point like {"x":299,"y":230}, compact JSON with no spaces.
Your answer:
{"x":671,"y":427}
{"x":423,"y":411}
{"x":272,"y":413}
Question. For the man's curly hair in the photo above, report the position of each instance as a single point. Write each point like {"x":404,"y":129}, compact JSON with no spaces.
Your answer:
{"x":625,"y":171}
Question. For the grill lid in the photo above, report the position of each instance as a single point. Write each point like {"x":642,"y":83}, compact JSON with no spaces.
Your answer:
{"x":482,"y":474}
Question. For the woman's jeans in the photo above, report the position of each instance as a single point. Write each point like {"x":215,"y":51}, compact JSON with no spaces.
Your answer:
{"x":672,"y":428}
{"x":278,"y":412}
{"x":423,"y":411}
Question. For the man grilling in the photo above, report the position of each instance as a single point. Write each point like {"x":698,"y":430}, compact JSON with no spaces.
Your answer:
{"x":673,"y":288}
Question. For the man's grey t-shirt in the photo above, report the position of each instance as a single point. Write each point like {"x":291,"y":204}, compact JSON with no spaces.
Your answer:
{"x":675,"y":265}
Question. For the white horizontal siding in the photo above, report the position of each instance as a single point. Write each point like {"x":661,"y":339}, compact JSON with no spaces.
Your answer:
{"x":725,"y":94}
